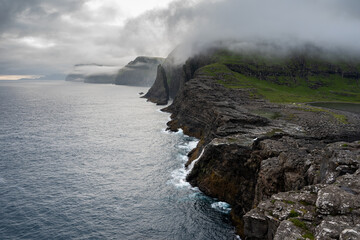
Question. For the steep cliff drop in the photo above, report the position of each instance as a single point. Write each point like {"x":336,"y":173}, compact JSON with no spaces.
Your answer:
{"x":289,"y":171}
{"x":159,"y":92}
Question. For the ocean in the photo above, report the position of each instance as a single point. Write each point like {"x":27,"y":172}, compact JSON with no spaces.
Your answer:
{"x":93,"y":161}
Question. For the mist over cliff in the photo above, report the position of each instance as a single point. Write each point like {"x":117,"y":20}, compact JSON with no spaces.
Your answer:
{"x":331,"y":25}
{"x":43,"y":37}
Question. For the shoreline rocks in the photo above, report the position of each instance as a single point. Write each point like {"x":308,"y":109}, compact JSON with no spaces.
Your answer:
{"x":289,"y":171}
{"x":256,"y":150}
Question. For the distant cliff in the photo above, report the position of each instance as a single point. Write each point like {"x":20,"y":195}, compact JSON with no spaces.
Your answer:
{"x":75,"y":77}
{"x":140,"y":72}
{"x":288,"y":169}
{"x":177,"y":74}
{"x":100,"y":78}
{"x":159,"y":92}
{"x":92,"y":73}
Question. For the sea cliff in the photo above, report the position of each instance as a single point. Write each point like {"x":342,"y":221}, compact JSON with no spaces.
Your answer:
{"x":139,"y":72}
{"x":289,"y":170}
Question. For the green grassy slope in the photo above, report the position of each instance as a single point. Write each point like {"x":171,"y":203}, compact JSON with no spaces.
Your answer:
{"x":295,"y":79}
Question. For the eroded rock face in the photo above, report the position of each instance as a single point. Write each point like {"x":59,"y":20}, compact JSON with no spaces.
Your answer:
{"x":159,"y":92}
{"x":322,"y":211}
{"x":275,"y":164}
{"x":209,"y":109}
{"x":223,"y":173}
{"x":287,"y":231}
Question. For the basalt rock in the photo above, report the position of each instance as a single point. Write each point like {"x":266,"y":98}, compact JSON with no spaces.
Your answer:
{"x":159,"y":92}
{"x":275,"y":164}
{"x":321,"y":211}
{"x":179,"y":71}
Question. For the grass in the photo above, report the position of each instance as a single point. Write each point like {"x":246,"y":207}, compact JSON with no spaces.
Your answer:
{"x":288,"y":202}
{"x":339,"y":117}
{"x":305,"y":230}
{"x":298,"y":223}
{"x":305,"y":203}
{"x":308,"y":235}
{"x":293,"y":214}
{"x":282,"y":87}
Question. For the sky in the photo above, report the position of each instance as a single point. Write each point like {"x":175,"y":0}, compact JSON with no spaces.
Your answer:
{"x":48,"y":37}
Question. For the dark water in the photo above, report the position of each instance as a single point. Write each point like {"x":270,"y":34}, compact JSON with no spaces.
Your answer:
{"x":348,"y":107}
{"x":82,"y":161}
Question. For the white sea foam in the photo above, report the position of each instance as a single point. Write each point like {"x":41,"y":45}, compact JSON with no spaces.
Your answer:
{"x":221,"y":207}
{"x":189,"y":145}
{"x":179,"y":175}
{"x":159,"y":110}
{"x":164,"y":130}
{"x":179,"y":132}
{"x":179,"y":178}
{"x":193,"y":144}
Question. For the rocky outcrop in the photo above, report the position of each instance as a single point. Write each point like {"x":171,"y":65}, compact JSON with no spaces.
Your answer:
{"x":159,"y":92}
{"x":253,"y":153}
{"x":179,"y":71}
{"x":321,"y":211}
{"x":140,"y":72}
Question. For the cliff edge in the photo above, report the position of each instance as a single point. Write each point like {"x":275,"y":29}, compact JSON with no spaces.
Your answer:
{"x":159,"y":92}
{"x":289,"y":170}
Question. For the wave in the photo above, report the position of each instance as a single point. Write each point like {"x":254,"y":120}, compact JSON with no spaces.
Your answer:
{"x":223,"y":207}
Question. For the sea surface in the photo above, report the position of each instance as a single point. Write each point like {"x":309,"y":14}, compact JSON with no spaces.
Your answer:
{"x":92,"y":161}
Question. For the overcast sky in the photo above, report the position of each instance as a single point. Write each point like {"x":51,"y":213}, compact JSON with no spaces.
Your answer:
{"x":44,"y":37}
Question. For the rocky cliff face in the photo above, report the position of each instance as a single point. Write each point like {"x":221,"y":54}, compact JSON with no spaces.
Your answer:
{"x":140,"y":72}
{"x":178,"y":73}
{"x":280,"y":166}
{"x":159,"y":92}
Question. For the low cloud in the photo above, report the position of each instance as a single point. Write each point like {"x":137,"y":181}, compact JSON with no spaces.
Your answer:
{"x":332,"y":25}
{"x":93,"y":69}
{"x":44,"y":37}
